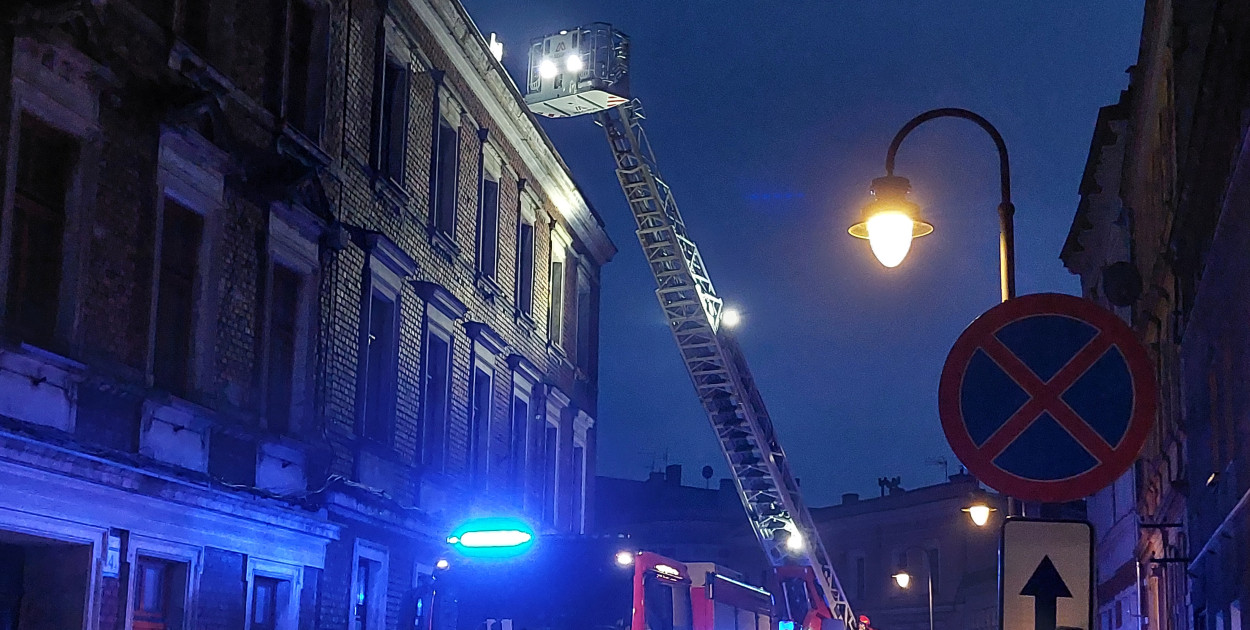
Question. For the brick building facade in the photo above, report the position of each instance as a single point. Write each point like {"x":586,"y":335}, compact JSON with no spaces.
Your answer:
{"x":289,"y":289}
{"x":1161,"y":234}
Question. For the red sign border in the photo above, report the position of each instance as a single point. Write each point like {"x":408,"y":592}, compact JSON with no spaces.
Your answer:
{"x":1141,"y":370}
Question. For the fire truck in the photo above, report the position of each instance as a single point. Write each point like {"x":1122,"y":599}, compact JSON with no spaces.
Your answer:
{"x":601,"y":583}
{"x":585,"y":71}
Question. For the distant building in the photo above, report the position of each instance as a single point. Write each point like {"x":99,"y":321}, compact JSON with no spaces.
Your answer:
{"x":685,"y":523}
{"x":924,"y":532}
{"x":869,"y":540}
{"x":287,"y":290}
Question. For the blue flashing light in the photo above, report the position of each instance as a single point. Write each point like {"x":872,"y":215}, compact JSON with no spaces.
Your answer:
{"x":785,"y":625}
{"x":497,"y":537}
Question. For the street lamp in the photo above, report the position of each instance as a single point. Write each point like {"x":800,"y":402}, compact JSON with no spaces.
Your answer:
{"x":903,"y":579}
{"x":886,"y":218}
{"x":979,"y":509}
{"x":890,"y":221}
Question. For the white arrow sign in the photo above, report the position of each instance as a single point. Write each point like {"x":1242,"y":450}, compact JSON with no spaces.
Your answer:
{"x":1047,"y":575}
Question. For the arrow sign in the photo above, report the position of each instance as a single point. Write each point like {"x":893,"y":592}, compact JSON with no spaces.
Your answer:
{"x":1046,"y":575}
{"x":1045,"y":587}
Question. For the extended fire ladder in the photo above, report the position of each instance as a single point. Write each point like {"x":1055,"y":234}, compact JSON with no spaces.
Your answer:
{"x":586,"y":71}
{"x":715,"y":362}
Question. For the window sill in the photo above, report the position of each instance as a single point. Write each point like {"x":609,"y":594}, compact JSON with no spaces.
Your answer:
{"x":525,"y":322}
{"x":388,"y":191}
{"x":556,"y":352}
{"x":444,"y":244}
{"x":297,"y":144}
{"x":487,"y":287}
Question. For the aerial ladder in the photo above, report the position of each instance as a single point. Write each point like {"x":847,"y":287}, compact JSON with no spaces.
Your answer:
{"x":585,"y":71}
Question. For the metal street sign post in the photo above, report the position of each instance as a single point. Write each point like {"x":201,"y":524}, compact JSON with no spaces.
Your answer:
{"x":1046,"y":575}
{"x":1047,"y":397}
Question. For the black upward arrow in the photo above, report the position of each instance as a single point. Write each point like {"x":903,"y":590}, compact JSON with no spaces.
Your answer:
{"x":1045,"y":587}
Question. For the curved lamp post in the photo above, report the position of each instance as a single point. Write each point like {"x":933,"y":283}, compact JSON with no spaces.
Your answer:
{"x":890,"y":221}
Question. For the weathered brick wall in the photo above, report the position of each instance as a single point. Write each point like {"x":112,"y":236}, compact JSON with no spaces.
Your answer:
{"x":222,"y":595}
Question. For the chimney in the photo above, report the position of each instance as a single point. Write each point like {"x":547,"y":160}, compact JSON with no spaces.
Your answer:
{"x":849,"y":498}
{"x":672,"y":474}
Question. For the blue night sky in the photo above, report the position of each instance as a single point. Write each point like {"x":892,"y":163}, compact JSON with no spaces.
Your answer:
{"x":769,"y":120}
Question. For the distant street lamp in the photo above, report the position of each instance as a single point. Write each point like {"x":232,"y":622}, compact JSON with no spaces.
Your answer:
{"x":979,"y":509}
{"x":903,"y":579}
{"x":890,"y":221}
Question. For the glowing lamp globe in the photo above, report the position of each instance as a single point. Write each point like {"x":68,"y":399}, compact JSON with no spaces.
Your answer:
{"x":890,"y":221}
{"x":903,"y":579}
{"x":979,"y":512}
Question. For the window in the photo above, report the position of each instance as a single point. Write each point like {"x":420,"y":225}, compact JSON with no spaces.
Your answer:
{"x":264,"y":603}
{"x":1119,"y":613}
{"x":551,"y":449}
{"x":392,"y":126}
{"x":297,"y":65}
{"x":368,"y":593}
{"x":285,"y":304}
{"x":446,"y":154}
{"x":45,"y":163}
{"x":434,"y":394}
{"x":181,"y":238}
{"x":488,"y":226}
{"x":579,"y":489}
{"x":585,"y":321}
{"x":158,"y":594}
{"x":379,"y":369}
{"x":479,"y":427}
{"x":519,"y":441}
{"x":525,"y":270}
{"x":555,"y":318}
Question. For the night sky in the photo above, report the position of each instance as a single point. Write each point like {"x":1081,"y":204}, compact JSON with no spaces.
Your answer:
{"x":769,"y":120}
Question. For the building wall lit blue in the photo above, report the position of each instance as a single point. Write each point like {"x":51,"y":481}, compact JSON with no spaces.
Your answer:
{"x":280,"y":306}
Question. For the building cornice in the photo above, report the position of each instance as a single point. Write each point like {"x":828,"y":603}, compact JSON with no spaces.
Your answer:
{"x":455,"y":32}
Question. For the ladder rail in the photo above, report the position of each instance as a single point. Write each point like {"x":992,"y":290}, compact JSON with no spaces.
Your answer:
{"x":717,"y":367}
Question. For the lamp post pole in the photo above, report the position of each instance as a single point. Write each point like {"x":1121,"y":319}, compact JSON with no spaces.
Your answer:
{"x":1006,"y":211}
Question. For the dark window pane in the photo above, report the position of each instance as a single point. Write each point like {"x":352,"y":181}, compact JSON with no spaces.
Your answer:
{"x":44,"y":163}
{"x":393,"y":118}
{"x":550,"y":451}
{"x":175,"y":302}
{"x":488,"y":222}
{"x":525,"y":269}
{"x":479,"y":425}
{"x":585,"y":323}
{"x":379,"y":370}
{"x":264,"y":603}
{"x":520,"y":421}
{"x":434,"y":393}
{"x":555,"y":312}
{"x":578,"y":487}
{"x":361,"y":604}
{"x":283,"y":320}
{"x":445,"y":180}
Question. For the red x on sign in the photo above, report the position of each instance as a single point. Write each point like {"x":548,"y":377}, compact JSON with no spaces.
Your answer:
{"x":1047,"y":397}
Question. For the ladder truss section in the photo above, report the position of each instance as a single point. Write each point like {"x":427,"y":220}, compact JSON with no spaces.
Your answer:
{"x":716,"y":365}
